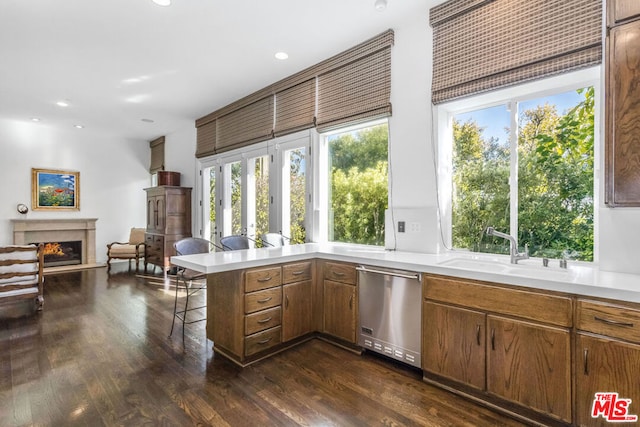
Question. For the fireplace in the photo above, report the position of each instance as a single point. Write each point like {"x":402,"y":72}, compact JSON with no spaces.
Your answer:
{"x":61,"y":231}
{"x":62,"y":253}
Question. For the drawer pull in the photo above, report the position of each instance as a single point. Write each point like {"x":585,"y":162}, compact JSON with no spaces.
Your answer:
{"x":297,"y":273}
{"x":493,"y":339}
{"x":613,"y":322}
{"x":265,"y":341}
{"x":351,"y":302}
{"x":478,"y":334}
{"x":262,"y":301}
{"x":265,"y":279}
{"x":337,"y":273}
{"x":265,"y":320}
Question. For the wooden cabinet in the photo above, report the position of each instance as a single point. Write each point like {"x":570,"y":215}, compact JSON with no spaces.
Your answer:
{"x":622,"y":10}
{"x":456,"y":343}
{"x":530,"y":364}
{"x":505,"y":343}
{"x":297,"y":301}
{"x":607,"y":357}
{"x":622,"y":147}
{"x":168,"y":220}
{"x":251,"y":313}
{"x":262,"y":309}
{"x":340,"y":301}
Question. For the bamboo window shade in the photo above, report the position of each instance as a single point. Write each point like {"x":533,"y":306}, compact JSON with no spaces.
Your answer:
{"x":480,"y":45}
{"x":157,"y":155}
{"x":246,"y":125}
{"x":295,"y":108}
{"x":355,"y":92}
{"x":350,"y":87}
{"x":206,"y":139}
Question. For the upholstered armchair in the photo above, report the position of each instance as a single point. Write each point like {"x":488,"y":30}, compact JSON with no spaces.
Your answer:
{"x":132,"y":249}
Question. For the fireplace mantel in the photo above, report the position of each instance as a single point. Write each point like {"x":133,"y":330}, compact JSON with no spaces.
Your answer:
{"x":27,"y":231}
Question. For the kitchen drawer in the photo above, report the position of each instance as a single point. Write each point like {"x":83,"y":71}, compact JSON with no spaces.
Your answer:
{"x":262,"y":341}
{"x":262,"y":320}
{"x":262,"y":278}
{"x":344,"y":273}
{"x":296,"y":272}
{"x":608,"y":319}
{"x":260,"y":300}
{"x":539,"y":306}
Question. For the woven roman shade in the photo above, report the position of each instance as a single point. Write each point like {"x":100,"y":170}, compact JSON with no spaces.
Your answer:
{"x":296,"y":108}
{"x":206,"y":139}
{"x":350,"y":87}
{"x":246,"y":125}
{"x":157,"y":155}
{"x":480,"y":45}
{"x":359,"y":90}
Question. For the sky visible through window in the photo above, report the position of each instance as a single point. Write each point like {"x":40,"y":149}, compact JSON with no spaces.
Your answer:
{"x":496,"y":119}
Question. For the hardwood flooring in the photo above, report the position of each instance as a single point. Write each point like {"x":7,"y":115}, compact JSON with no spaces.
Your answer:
{"x":99,"y":355}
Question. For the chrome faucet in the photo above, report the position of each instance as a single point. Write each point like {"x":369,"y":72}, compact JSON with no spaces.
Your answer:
{"x":515,"y":255}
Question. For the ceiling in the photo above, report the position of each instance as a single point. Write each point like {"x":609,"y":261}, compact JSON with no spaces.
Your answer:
{"x":123,"y":63}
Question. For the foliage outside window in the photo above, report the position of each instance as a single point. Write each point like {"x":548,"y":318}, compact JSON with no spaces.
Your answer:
{"x":358,"y":185}
{"x":555,"y":187}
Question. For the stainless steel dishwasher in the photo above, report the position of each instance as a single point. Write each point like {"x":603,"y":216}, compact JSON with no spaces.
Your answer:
{"x":389,"y":303}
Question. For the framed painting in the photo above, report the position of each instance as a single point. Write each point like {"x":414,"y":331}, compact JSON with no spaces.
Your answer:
{"x":55,"y":190}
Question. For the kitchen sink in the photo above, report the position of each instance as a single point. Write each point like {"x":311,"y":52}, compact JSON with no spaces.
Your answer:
{"x":503,"y":266}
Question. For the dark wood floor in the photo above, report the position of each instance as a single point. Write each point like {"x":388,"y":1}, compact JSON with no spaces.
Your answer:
{"x":99,"y":355}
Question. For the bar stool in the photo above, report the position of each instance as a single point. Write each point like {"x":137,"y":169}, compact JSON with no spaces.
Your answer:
{"x":190,"y":280}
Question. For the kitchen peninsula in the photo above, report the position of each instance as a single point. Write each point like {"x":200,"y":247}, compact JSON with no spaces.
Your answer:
{"x":536,"y":342}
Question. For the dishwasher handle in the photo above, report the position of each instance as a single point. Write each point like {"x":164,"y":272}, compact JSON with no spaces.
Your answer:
{"x":413,"y":276}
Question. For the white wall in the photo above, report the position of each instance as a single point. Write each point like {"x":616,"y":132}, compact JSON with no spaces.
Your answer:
{"x":113,"y":174}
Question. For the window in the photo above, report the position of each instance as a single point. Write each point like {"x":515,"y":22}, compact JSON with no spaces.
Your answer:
{"x":542,"y":148}
{"x":354,"y":180}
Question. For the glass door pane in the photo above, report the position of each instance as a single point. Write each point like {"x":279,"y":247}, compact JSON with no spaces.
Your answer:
{"x":294,"y":195}
{"x":258,"y":196}
{"x":232,"y":199}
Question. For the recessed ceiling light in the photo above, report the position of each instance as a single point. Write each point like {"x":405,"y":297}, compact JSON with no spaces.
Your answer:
{"x":380,"y":5}
{"x":78,"y":126}
{"x":162,"y":2}
{"x":282,"y":55}
{"x":62,"y":103}
{"x":147,"y":120}
{"x":35,"y":119}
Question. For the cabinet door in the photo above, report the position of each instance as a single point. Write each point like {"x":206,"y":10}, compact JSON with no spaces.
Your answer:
{"x":454,"y":343}
{"x":623,"y":116}
{"x":605,"y":365}
{"x":160,"y":207}
{"x":340,"y":310}
{"x":297,"y":310}
{"x":530,"y":364}
{"x":620,"y":10}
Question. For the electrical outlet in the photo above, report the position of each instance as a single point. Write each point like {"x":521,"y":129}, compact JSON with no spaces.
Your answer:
{"x":414,"y":227}
{"x":401,"y":226}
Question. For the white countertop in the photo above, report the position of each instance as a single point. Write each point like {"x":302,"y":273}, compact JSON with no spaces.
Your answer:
{"x":579,"y":278}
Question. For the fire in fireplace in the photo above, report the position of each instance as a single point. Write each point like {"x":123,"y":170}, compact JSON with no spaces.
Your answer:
{"x":62,"y":253}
